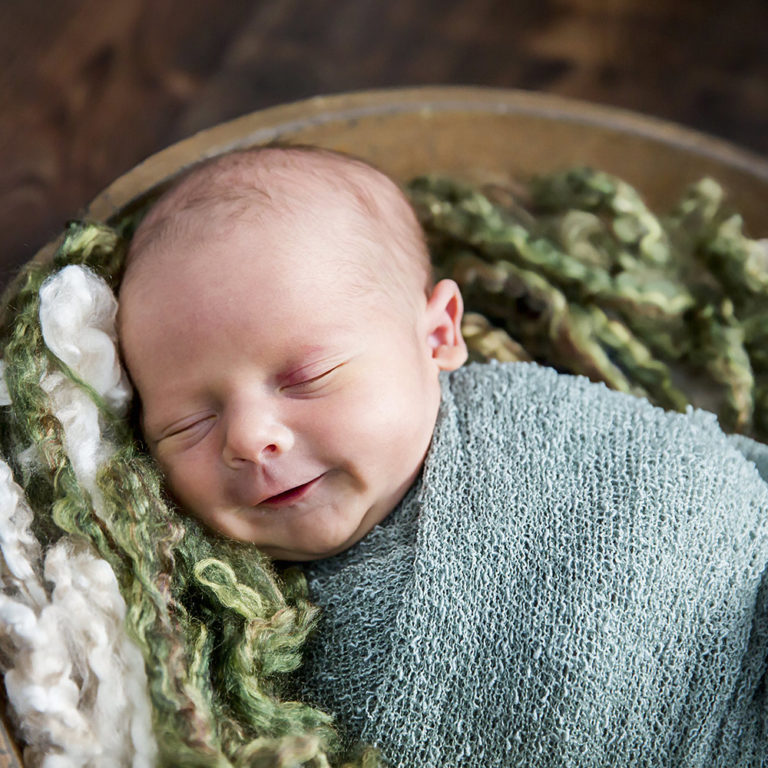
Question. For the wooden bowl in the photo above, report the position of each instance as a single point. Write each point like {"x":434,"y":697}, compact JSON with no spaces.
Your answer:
{"x":475,"y":133}
{"x":471,"y":131}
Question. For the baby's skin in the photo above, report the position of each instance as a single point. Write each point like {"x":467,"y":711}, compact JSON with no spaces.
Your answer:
{"x":284,"y":339}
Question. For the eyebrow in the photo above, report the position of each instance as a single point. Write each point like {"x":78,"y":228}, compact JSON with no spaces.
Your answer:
{"x":307,"y":350}
{"x":335,"y":338}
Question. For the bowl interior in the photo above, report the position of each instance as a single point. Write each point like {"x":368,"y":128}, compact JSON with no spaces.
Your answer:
{"x":474,"y":133}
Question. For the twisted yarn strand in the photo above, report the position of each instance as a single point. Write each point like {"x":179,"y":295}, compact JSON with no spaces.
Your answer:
{"x":72,"y":676}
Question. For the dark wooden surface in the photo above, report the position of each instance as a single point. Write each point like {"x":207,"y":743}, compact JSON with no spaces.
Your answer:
{"x":88,"y":88}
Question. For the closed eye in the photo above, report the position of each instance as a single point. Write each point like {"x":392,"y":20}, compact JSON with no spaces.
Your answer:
{"x":312,"y":383}
{"x":189,"y":429}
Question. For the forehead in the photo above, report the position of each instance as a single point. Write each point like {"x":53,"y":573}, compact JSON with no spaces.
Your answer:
{"x":276,"y":281}
{"x":209,"y":321}
{"x":308,"y":255}
{"x":241,"y":262}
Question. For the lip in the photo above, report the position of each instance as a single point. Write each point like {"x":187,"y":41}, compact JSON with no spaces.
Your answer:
{"x":291,"y":496}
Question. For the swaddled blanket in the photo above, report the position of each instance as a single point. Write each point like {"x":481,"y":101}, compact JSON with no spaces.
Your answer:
{"x":575,"y":580}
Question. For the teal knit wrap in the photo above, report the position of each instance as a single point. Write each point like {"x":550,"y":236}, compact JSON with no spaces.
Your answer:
{"x":575,"y":580}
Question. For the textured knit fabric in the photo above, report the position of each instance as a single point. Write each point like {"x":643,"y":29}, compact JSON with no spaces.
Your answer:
{"x":575,"y":580}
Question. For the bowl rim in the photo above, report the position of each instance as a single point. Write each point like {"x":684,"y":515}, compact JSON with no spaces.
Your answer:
{"x":272,"y":123}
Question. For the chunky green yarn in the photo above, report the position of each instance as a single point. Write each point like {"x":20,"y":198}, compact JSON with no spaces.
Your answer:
{"x":218,"y":628}
{"x":577,"y":273}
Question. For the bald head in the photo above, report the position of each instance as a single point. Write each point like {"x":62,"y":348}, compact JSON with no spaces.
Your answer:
{"x":299,"y":190}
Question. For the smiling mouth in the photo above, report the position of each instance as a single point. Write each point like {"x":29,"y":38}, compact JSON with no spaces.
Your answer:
{"x":291,"y":495}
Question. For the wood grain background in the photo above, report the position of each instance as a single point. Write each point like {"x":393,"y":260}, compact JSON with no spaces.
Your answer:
{"x":88,"y":88}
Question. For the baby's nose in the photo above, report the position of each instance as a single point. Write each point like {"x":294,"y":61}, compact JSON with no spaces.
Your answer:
{"x":255,"y":437}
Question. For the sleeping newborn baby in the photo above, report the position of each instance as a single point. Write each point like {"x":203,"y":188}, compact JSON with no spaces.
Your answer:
{"x":279,"y":326}
{"x":515,"y":567}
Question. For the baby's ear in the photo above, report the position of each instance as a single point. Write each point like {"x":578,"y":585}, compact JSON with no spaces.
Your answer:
{"x":445,"y":309}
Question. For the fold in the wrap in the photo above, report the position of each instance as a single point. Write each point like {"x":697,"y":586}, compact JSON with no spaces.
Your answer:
{"x":576,"y":579}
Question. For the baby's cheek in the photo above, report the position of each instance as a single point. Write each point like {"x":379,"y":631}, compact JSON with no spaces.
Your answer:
{"x":388,"y":421}
{"x":185,"y":480}
{"x":165,"y":461}
{"x":363,"y":412}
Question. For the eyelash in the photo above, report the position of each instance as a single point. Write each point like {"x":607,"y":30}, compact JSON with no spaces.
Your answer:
{"x":312,"y":380}
{"x":189,"y":427}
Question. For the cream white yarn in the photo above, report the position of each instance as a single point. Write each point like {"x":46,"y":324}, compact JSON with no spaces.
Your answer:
{"x":77,"y":317}
{"x":75,"y":681}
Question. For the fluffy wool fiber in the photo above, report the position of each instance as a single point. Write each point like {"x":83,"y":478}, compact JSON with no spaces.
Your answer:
{"x":128,"y":636}
{"x":577,"y":580}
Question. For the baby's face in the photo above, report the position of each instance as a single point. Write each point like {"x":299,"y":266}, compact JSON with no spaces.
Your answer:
{"x":284,"y":409}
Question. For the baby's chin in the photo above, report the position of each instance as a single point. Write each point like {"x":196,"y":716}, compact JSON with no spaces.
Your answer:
{"x":321,"y":543}
{"x":293,"y":534}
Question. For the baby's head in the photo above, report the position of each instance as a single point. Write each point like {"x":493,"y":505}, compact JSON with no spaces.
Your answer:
{"x":279,"y":323}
